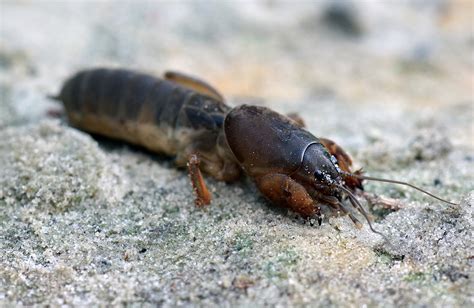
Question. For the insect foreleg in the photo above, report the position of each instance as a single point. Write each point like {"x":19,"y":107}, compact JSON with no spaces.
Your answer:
{"x":343,"y":160}
{"x":286,"y":192}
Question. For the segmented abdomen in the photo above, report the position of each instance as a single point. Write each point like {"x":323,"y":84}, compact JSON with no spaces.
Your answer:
{"x":158,"y":114}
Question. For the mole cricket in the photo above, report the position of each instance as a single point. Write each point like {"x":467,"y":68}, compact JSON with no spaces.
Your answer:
{"x":187,"y":118}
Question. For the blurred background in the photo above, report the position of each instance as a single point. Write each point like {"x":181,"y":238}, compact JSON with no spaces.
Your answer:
{"x":407,"y":53}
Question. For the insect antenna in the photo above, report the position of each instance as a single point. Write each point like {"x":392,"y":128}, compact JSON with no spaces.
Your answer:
{"x":351,"y":216}
{"x":370,"y":178}
{"x":355,"y":203}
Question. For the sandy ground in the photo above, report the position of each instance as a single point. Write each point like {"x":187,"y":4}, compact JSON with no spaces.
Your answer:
{"x":92,"y":221}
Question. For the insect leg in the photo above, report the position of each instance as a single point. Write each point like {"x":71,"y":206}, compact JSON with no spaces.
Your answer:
{"x":297,"y":118}
{"x":340,"y":207}
{"x":203,"y":196}
{"x":384,"y":202}
{"x":195,"y":84}
{"x":344,"y":162}
{"x":343,"y":208}
{"x":284,"y":191}
{"x":343,"y":159}
{"x":56,"y":113}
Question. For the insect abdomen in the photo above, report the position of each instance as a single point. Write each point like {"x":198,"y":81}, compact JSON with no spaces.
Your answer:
{"x":127,"y":105}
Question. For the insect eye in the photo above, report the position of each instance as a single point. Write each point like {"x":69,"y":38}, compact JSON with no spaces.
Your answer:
{"x":319,"y":176}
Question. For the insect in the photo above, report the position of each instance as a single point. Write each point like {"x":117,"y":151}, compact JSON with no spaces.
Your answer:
{"x":185,"y":117}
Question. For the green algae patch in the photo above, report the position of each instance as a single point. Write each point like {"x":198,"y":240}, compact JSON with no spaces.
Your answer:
{"x":281,"y":264}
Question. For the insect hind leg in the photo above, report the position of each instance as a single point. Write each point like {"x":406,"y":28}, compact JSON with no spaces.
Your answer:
{"x":297,"y":119}
{"x":203,"y":196}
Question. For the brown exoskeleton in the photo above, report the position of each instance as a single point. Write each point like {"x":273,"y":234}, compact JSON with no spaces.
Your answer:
{"x":185,"y":117}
